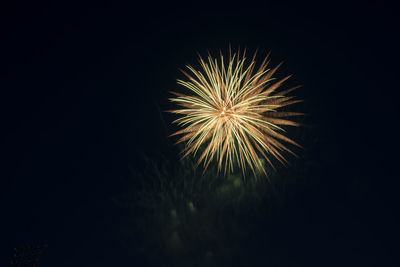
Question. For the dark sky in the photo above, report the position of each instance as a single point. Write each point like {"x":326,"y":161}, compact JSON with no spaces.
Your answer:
{"x":81,"y":86}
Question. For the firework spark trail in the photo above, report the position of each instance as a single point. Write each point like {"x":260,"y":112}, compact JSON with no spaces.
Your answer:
{"x":232,"y":112}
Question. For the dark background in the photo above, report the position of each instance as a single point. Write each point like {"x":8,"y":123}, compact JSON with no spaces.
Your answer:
{"x":81,"y":89}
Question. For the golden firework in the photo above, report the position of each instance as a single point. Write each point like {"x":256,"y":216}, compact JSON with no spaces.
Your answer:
{"x":232,"y":114}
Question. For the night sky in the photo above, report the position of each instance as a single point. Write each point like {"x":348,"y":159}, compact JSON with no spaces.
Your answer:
{"x":82,"y":87}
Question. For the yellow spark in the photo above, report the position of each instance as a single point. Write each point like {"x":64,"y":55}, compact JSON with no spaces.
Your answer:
{"x":232,"y":113}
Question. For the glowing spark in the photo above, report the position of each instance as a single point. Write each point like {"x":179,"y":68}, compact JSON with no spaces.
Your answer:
{"x":232,"y":113}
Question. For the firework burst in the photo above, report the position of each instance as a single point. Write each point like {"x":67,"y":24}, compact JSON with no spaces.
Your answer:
{"x":232,"y":114}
